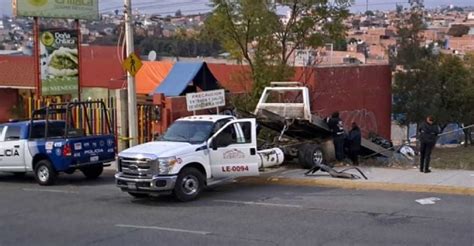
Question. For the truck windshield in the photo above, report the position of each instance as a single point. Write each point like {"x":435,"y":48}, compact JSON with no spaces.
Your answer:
{"x":188,"y":131}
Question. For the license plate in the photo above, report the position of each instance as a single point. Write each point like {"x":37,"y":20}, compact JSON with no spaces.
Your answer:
{"x":132,"y":186}
{"x":94,"y":158}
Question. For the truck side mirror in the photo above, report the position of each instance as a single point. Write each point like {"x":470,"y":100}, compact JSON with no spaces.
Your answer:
{"x":212,"y":144}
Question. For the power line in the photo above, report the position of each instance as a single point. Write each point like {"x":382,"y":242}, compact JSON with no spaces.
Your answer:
{"x":146,"y":5}
{"x":204,"y":10}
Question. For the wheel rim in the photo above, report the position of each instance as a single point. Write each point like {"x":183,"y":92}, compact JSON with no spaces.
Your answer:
{"x":190,"y":185}
{"x":43,"y":173}
{"x":318,"y":157}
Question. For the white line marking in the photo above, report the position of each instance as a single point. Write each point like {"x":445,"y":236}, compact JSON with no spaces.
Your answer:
{"x":427,"y":201}
{"x":261,"y":204}
{"x":163,"y":229}
{"x":52,"y":191}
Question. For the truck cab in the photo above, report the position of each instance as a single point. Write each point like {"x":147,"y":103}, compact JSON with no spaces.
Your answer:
{"x":194,"y":152}
{"x":47,"y":147}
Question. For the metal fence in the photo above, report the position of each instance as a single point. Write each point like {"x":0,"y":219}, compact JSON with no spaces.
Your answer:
{"x":94,"y":115}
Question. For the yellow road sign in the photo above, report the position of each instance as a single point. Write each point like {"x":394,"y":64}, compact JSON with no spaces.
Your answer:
{"x":132,"y":64}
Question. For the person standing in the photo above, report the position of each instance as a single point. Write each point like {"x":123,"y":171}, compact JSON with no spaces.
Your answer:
{"x":428,"y":134}
{"x":336,"y":126}
{"x":355,"y":139}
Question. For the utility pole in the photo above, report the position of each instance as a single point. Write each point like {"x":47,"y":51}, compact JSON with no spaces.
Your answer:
{"x":132,"y":96}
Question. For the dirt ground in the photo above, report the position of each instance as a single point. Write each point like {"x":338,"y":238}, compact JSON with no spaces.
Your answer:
{"x":459,"y":157}
{"x":453,"y":158}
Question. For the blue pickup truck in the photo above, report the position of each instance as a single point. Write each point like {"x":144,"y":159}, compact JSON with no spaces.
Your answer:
{"x":47,"y":146}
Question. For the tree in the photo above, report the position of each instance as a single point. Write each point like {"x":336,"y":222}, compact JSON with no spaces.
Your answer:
{"x":178,"y":13}
{"x":399,"y":8}
{"x":427,"y":83}
{"x":441,"y":87}
{"x":180,"y":46}
{"x":458,"y":30}
{"x":408,"y":49}
{"x":340,"y":44}
{"x":369,"y":13}
{"x":356,"y":24}
{"x":252,"y":32}
{"x":468,"y":100}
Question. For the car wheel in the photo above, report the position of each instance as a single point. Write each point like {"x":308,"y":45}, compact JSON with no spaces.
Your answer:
{"x":189,"y":184}
{"x":93,"y":172}
{"x":45,"y":174}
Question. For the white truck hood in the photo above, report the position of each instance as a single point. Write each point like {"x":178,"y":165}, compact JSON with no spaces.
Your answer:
{"x":158,"y":149}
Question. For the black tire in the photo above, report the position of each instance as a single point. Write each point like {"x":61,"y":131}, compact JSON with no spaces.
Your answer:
{"x":189,"y":184}
{"x":302,"y":156}
{"x":45,"y":174}
{"x":315,"y":155}
{"x":138,"y":195}
{"x":311,"y":155}
{"x":92,"y":172}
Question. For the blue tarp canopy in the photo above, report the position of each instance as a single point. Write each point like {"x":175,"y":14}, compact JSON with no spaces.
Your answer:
{"x":186,"y":77}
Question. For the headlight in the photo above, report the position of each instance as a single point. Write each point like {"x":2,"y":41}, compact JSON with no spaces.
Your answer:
{"x":166,"y":164}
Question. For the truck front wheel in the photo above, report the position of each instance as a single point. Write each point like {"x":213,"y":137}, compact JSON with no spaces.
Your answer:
{"x":189,"y":184}
{"x":93,"y":172}
{"x":45,"y":174}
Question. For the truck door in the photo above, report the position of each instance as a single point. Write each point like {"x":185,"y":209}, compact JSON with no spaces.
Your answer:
{"x":12,"y":152}
{"x":233,"y":150}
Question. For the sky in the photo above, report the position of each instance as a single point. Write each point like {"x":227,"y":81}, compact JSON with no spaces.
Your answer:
{"x":168,"y":7}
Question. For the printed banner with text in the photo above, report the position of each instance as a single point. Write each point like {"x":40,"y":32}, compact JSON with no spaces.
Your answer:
{"x":59,"y":62}
{"x":67,"y":9}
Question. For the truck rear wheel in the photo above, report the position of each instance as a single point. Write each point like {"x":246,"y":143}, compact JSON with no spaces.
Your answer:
{"x":189,"y":184}
{"x":92,"y":172}
{"x":310,"y":155}
{"x":45,"y":174}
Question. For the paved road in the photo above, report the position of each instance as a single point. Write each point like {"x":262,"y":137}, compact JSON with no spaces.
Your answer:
{"x":80,"y":212}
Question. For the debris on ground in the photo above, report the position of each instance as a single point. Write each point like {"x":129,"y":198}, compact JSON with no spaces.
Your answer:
{"x":337,"y":174}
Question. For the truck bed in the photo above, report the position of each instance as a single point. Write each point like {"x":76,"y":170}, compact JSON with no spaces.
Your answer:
{"x":304,"y":130}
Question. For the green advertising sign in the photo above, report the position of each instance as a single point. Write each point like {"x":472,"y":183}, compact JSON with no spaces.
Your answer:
{"x":59,"y":62}
{"x":67,"y":9}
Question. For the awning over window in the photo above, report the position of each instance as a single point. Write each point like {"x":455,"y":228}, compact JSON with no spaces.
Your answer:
{"x":187,"y":77}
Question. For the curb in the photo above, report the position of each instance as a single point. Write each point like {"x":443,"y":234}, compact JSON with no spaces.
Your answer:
{"x":360,"y":185}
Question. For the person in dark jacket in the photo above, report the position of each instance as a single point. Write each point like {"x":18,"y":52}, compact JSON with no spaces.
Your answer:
{"x":354,"y":139}
{"x":428,"y":134}
{"x":336,"y":126}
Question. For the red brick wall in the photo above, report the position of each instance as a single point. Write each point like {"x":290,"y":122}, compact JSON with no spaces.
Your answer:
{"x":360,"y":93}
{"x":172,"y":108}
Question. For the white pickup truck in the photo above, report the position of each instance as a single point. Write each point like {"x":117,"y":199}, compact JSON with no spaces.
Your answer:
{"x":194,"y":152}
